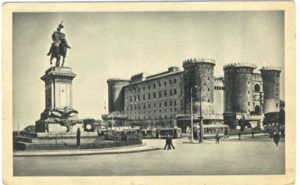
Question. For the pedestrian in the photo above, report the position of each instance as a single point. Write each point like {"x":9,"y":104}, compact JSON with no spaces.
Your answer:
{"x":239,"y":135}
{"x":170,"y":144}
{"x":167,"y":143}
{"x":276,"y":138}
{"x":217,"y":138}
{"x":252,"y":134}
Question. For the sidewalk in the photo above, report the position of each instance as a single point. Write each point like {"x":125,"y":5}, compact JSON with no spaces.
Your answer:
{"x":117,"y":150}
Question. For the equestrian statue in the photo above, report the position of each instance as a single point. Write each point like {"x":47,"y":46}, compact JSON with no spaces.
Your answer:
{"x":59,"y":46}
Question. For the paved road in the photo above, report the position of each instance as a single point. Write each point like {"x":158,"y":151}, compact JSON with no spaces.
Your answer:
{"x":249,"y":156}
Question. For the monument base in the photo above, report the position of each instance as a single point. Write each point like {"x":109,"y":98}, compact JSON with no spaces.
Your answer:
{"x":50,"y":125}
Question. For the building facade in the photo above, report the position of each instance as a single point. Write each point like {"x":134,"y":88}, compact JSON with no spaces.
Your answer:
{"x":169,"y":97}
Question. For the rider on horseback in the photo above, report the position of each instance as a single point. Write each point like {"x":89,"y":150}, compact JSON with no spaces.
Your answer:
{"x":59,"y":45}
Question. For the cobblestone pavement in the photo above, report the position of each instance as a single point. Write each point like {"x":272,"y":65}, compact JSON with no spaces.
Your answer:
{"x":248,"y":156}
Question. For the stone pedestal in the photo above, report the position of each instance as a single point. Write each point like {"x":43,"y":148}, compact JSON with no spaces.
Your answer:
{"x":58,"y":99}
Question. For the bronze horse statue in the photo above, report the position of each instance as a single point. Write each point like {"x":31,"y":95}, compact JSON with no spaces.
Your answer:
{"x":59,"y":46}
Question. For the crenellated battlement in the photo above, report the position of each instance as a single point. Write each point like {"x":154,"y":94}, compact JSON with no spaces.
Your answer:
{"x":199,"y":60}
{"x":239,"y":65}
{"x":271,"y":68}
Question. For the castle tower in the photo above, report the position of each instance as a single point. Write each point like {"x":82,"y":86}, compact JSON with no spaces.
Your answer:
{"x":238,"y":88}
{"x":271,"y":84}
{"x":116,"y":94}
{"x":199,"y":73}
{"x":238,"y":92}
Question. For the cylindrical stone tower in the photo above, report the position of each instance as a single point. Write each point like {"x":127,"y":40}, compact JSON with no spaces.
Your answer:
{"x":271,"y":85}
{"x":199,"y":73}
{"x":238,"y":92}
{"x":116,"y":94}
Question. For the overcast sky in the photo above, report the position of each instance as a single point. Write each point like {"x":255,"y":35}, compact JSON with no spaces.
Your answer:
{"x":106,"y":45}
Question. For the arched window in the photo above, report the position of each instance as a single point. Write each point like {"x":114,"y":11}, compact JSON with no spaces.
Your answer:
{"x":257,"y":109}
{"x":257,"y":88}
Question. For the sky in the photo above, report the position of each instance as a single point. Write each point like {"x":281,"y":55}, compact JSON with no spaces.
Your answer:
{"x":121,"y":44}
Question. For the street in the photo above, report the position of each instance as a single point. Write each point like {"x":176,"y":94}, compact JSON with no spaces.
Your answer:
{"x":231,"y":157}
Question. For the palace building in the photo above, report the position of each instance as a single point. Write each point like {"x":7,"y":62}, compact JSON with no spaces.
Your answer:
{"x":169,"y":97}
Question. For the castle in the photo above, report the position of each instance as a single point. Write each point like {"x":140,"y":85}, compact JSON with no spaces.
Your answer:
{"x":164,"y":99}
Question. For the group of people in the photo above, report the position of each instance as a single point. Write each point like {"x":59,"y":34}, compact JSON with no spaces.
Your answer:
{"x":169,"y":144}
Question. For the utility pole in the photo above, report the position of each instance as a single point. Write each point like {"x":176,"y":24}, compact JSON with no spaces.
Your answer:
{"x":200,"y":115}
{"x":192,"y":124}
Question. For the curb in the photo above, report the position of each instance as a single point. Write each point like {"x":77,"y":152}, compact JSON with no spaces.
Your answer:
{"x":87,"y":152}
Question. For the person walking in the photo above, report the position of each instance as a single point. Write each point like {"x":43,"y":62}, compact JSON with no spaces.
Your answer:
{"x":217,"y":138}
{"x":252,"y":134}
{"x":276,"y":138}
{"x":170,"y":144}
{"x":167,"y":143}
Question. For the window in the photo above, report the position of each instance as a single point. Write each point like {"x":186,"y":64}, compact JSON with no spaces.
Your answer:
{"x":208,"y":78}
{"x":143,"y":97}
{"x":144,"y":106}
{"x":138,"y":98}
{"x":208,"y":89}
{"x":174,"y":81}
{"x":130,"y":98}
{"x":143,"y":87}
{"x":154,"y":85}
{"x":165,"y":83}
{"x":166,"y":104}
{"x":159,"y":104}
{"x":134,"y":98}
{"x":159,"y":94}
{"x":257,"y":88}
{"x":174,"y":102}
{"x":171,"y":103}
{"x":159,"y":84}
{"x":149,"y":96}
{"x":148,"y":86}
{"x":175,"y":91}
{"x":154,"y":105}
{"x":248,"y":103}
{"x":154,"y":94}
{"x":166,"y":93}
{"x":149,"y":105}
{"x":170,"y":81}
{"x":171,"y":92}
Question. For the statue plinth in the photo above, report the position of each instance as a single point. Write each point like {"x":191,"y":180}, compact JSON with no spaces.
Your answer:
{"x":58,"y":99}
